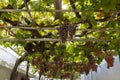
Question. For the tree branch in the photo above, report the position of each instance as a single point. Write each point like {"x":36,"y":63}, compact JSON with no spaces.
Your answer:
{"x":26,"y":5}
{"x":13,"y":73}
{"x":23,"y":5}
{"x":74,"y":8}
{"x":27,"y":70}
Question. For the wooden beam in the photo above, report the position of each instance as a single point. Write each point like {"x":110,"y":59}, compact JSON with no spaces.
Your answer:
{"x":49,"y":39}
{"x":25,"y":10}
{"x":51,"y":28}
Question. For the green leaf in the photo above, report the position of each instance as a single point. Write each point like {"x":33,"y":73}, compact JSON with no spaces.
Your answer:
{"x":70,"y":49}
{"x":110,"y":5}
{"x":13,"y":3}
{"x":93,"y":21}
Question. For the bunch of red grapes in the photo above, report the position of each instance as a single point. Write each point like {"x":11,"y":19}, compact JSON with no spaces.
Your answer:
{"x":110,"y":60}
{"x":64,"y":30}
{"x":72,"y":30}
{"x":93,"y":65}
{"x":63,"y":33}
{"x":36,"y":60}
{"x":86,"y":69}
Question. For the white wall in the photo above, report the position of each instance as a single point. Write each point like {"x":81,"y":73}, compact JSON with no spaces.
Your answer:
{"x":7,"y":61}
{"x":5,"y":74}
{"x":7,"y":55}
{"x":106,"y":74}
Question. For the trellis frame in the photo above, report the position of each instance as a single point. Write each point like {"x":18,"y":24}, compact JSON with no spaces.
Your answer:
{"x":51,"y":28}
